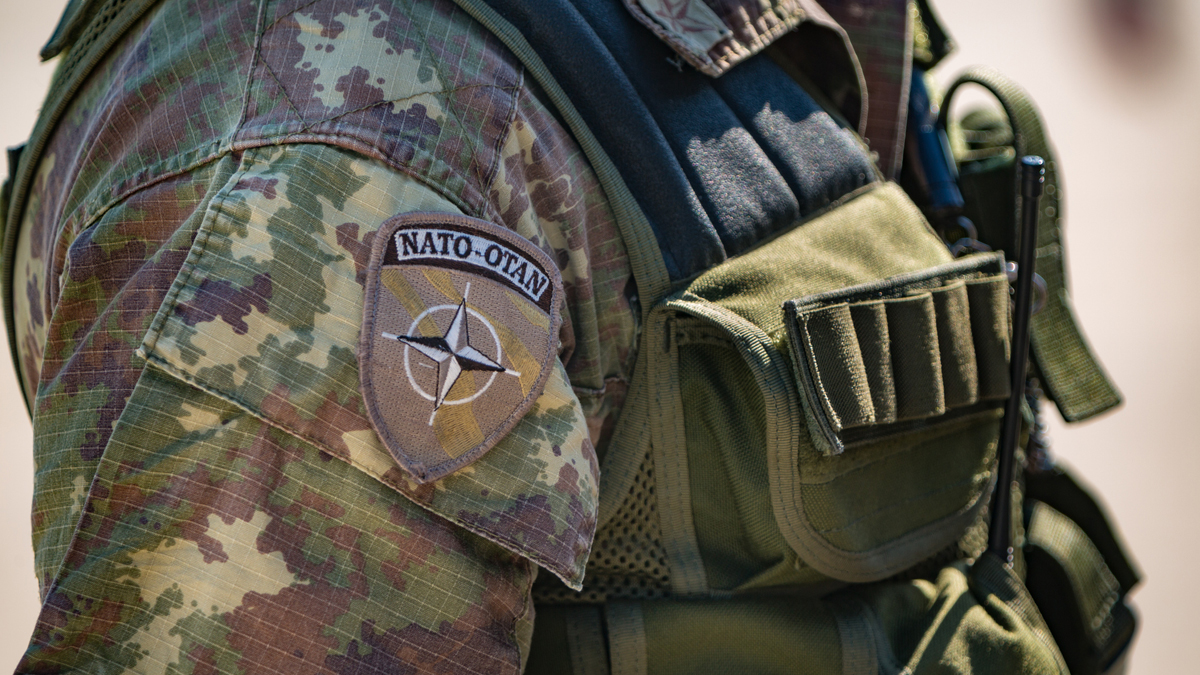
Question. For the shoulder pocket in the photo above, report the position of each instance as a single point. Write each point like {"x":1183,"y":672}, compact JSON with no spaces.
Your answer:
{"x":266,"y":314}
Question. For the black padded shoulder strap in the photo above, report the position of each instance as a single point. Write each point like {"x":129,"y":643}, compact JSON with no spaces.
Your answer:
{"x":717,"y":165}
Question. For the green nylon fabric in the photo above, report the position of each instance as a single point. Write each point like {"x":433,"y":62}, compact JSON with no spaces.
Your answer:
{"x":990,"y":335}
{"x":919,"y":392}
{"x":976,"y":619}
{"x":1072,"y":374}
{"x":71,"y":24}
{"x":960,"y":375}
{"x":569,"y":639}
{"x":775,"y":635}
{"x":873,"y":234}
{"x":874,"y":347}
{"x":899,"y":493}
{"x":550,"y":654}
{"x":1059,"y":489}
{"x":885,"y":503}
{"x":1094,"y":587}
{"x":1074,"y":556}
{"x":840,"y":369}
{"x":737,"y":533}
{"x":1081,"y":597}
{"x":969,"y":620}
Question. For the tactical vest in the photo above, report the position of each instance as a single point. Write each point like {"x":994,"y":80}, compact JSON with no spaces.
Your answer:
{"x":819,"y":382}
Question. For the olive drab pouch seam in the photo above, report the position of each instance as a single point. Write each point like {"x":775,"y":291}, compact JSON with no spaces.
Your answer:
{"x":291,"y":361}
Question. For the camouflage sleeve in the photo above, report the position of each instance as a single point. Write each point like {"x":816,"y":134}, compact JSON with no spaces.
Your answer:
{"x":210,"y":492}
{"x":221,"y":529}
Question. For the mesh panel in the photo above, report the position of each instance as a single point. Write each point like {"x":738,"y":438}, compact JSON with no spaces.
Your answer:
{"x":628,"y":560}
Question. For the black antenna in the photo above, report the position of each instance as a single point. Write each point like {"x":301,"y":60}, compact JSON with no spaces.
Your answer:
{"x":1033,"y":171}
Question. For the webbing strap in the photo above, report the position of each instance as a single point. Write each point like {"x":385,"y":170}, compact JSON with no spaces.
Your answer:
{"x":861,"y":641}
{"x":1095,"y":589}
{"x":1073,"y":377}
{"x":586,"y":641}
{"x":1078,"y":572}
{"x":874,"y":355}
{"x":626,"y":638}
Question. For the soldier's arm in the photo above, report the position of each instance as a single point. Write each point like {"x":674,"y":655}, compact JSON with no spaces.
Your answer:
{"x":211,"y":488}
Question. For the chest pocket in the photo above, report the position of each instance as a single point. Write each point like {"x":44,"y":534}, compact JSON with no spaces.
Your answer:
{"x":830,"y":399}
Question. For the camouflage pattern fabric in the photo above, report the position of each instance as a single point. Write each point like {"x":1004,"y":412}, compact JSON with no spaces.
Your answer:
{"x":210,"y":495}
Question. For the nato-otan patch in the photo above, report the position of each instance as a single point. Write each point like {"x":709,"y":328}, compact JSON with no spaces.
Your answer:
{"x":460,"y":331}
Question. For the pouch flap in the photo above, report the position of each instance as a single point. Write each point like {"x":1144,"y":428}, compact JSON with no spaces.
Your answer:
{"x":910,"y":348}
{"x":898,"y":347}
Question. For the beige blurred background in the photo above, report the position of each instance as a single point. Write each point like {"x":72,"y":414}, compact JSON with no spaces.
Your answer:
{"x":1118,"y":82}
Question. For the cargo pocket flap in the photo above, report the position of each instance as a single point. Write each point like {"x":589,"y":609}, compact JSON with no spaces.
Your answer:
{"x":908,"y":349}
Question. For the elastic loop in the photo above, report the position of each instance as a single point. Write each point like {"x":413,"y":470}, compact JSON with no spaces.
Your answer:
{"x":916,"y":357}
{"x":875,"y":346}
{"x":989,"y":308}
{"x":841,"y":376}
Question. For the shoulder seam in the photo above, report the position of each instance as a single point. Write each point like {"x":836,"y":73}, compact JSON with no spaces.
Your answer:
{"x":488,"y":179}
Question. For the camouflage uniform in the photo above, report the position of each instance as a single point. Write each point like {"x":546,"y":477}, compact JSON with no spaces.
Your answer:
{"x":211,"y":494}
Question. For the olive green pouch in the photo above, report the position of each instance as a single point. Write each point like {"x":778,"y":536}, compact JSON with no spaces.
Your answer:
{"x":741,"y":418}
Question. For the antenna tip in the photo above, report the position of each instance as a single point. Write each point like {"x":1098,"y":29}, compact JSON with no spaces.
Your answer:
{"x":1033,"y":174}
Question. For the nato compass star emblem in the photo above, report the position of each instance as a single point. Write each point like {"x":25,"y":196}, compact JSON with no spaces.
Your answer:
{"x":452,"y":352}
{"x":460,"y":336}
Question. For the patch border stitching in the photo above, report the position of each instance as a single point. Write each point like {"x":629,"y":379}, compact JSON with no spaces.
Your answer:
{"x":417,"y":470}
